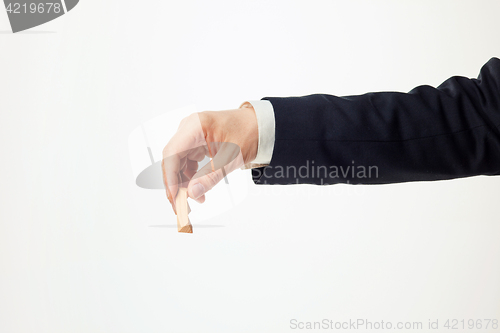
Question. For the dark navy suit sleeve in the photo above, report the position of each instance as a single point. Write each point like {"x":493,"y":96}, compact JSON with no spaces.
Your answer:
{"x":426,"y":134}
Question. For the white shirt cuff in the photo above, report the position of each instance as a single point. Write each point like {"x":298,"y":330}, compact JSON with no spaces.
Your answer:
{"x":266,"y":127}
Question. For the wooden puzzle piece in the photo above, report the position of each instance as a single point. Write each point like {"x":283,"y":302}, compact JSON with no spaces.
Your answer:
{"x":183,"y":209}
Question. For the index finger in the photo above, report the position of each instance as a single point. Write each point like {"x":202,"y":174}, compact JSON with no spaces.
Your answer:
{"x":189,"y":136}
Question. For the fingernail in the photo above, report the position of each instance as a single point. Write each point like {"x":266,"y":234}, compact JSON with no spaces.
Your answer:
{"x":198,"y":190}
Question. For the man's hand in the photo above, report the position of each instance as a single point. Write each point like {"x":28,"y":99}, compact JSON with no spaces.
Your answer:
{"x":230,"y":138}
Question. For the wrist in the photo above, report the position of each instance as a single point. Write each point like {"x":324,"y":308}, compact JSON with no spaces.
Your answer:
{"x":250,"y":132}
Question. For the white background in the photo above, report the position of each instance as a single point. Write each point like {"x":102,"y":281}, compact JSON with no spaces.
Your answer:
{"x":77,"y":250}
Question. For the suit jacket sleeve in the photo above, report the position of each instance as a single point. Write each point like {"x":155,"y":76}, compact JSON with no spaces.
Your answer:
{"x":426,"y":134}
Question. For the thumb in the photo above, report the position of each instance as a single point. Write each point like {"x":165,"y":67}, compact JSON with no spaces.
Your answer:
{"x":227,"y":159}
{"x":203,"y":181}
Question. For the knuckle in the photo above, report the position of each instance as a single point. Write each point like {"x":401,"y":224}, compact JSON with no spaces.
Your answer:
{"x":188,"y":119}
{"x":204,"y":117}
{"x":183,"y":122}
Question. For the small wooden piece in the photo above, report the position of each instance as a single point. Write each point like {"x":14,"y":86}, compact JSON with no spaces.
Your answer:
{"x":182,"y":207}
